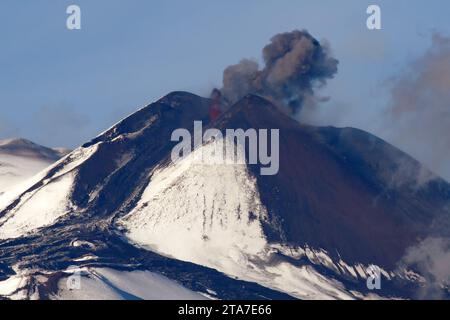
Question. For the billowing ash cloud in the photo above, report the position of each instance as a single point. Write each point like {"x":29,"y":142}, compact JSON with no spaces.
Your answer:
{"x":431,"y":258}
{"x":419,"y":117}
{"x":419,"y":122}
{"x":295,"y":63}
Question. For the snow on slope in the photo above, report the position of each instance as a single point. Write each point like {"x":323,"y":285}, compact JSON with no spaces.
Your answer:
{"x":15,"y":169}
{"x":20,"y":159}
{"x":12,"y":287}
{"x":42,"y":206}
{"x":97,"y":284}
{"x":110,"y":284}
{"x":41,"y":209}
{"x":206,"y":206}
{"x":211,"y":214}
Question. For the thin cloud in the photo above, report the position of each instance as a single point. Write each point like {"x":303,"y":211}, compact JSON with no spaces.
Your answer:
{"x":418,"y":118}
{"x":60,"y":125}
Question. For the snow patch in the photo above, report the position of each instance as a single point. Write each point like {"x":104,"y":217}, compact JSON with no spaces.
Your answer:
{"x":88,"y":257}
{"x":205,"y":213}
{"x":40,"y":209}
{"x":211,"y":214}
{"x":110,"y":284}
{"x":17,"y":169}
{"x":12,"y":285}
{"x":71,"y":161}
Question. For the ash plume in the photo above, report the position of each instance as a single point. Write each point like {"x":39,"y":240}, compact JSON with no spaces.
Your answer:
{"x":295,"y":64}
{"x":419,"y":114}
{"x":432,"y":259}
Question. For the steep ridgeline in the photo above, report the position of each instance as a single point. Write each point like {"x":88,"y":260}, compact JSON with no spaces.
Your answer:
{"x":20,"y":159}
{"x":341,"y":201}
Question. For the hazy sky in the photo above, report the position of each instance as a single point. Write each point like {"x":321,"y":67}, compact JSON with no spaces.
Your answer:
{"x":61,"y":87}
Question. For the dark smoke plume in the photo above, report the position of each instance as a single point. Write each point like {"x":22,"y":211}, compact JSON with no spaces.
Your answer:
{"x":295,"y":63}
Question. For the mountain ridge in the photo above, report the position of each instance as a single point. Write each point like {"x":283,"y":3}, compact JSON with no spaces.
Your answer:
{"x":20,"y":159}
{"x":24,"y":147}
{"x":336,"y":142}
{"x":116,"y":190}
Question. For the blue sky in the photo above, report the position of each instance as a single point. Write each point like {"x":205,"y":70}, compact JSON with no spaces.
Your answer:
{"x":61,"y":87}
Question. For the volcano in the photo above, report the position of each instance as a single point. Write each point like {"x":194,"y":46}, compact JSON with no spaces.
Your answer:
{"x":118,"y":208}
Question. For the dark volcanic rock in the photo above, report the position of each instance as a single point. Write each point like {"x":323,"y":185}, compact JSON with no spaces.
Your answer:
{"x":336,"y":190}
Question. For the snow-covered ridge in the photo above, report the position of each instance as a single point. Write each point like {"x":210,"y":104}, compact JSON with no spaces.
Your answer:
{"x":94,"y":284}
{"x":20,"y":159}
{"x":110,"y":284}
{"x":16,"y":169}
{"x":211,"y":214}
{"x":216,"y":214}
{"x":26,"y":148}
{"x":38,"y":209}
{"x":213,"y":209}
{"x":41,"y":206}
